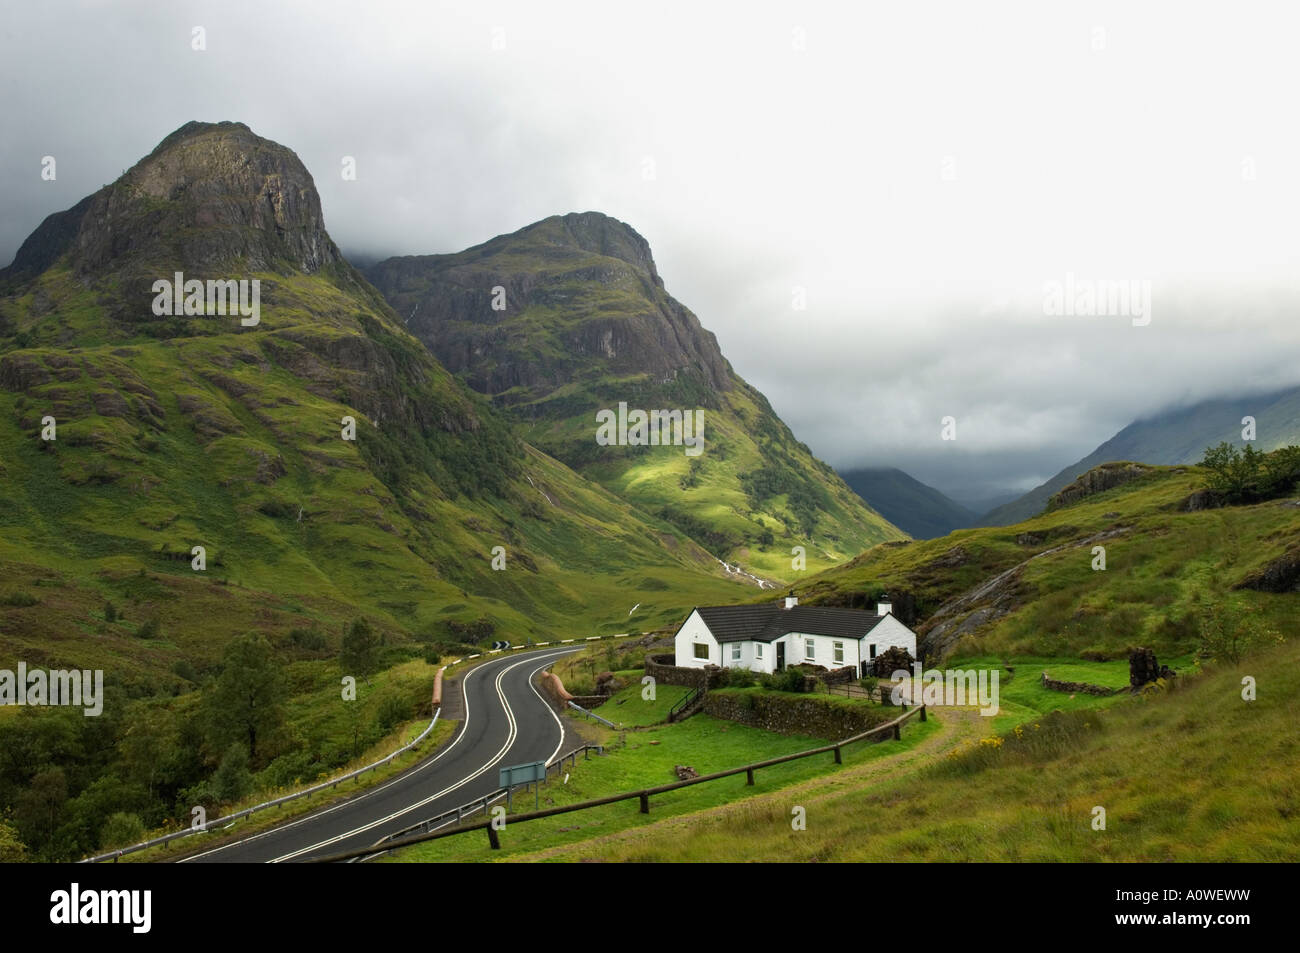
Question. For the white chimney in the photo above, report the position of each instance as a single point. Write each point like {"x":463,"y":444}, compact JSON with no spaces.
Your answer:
{"x":790,"y":602}
{"x":884,"y":608}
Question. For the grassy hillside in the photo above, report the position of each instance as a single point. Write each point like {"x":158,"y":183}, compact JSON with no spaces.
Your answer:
{"x":1178,"y":436}
{"x":1162,"y":766}
{"x":1030,"y":589}
{"x":568,"y":317}
{"x":181,"y":431}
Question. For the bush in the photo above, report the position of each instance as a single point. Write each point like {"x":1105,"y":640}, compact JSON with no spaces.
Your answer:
{"x":19,"y":597}
{"x":432,"y":656}
{"x":309,"y":639}
{"x":738,"y":678}
{"x":233,"y":780}
{"x":391,"y":712}
{"x":790,"y":680}
{"x":149,"y":629}
{"x":122,"y":830}
{"x":110,"y":611}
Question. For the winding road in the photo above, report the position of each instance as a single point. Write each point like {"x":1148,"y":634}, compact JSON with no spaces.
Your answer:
{"x":505,"y":722}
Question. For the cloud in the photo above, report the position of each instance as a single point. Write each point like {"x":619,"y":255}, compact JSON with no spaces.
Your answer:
{"x":918,"y":170}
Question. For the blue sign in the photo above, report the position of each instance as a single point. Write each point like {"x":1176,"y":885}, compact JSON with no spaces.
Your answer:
{"x":522,"y":774}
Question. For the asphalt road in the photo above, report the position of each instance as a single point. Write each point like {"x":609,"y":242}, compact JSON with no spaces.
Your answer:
{"x":506,"y":722}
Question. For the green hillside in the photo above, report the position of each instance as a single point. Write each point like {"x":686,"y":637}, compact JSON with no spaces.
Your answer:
{"x":194,"y":430}
{"x":919,"y":510}
{"x":583,"y":323}
{"x":1030,"y":589}
{"x":1171,"y":438}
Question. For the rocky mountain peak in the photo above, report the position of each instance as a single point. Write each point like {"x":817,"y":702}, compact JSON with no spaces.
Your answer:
{"x":210,"y":196}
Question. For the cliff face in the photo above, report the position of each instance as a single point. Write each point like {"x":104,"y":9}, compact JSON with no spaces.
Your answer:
{"x":568,"y":317}
{"x":581,"y":299}
{"x":212,"y":195}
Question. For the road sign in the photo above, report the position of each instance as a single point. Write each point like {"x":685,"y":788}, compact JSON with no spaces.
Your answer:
{"x":499,"y":645}
{"x":522,"y":774}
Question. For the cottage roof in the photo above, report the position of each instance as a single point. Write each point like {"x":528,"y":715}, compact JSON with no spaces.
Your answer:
{"x":769,"y":621}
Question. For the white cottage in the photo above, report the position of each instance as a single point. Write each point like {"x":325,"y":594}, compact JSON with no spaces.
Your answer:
{"x":770,"y":636}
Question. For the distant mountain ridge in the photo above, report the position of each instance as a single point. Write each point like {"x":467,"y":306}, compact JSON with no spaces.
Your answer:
{"x":919,"y":510}
{"x":1175,"y":437}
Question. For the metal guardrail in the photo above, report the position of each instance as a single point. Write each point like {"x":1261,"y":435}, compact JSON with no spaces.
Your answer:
{"x":205,"y":828}
{"x":456,"y":815}
{"x":643,"y":795}
{"x":230,"y":818}
{"x":591,"y":714}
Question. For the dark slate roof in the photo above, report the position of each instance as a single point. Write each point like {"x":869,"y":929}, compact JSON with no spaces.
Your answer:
{"x":766,"y":622}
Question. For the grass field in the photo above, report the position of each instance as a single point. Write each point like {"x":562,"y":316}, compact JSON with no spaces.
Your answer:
{"x":706,"y":744}
{"x":1193,"y":774}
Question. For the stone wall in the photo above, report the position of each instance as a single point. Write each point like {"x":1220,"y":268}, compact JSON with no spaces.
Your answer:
{"x":790,"y":714}
{"x":1075,"y":688}
{"x":664,"y":672}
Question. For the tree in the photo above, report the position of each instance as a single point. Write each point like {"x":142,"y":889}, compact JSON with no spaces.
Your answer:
{"x":359,"y":653}
{"x":12,"y":849}
{"x":121,"y":829}
{"x":1228,"y":634}
{"x":39,"y":806}
{"x":245,"y":702}
{"x":233,"y":779}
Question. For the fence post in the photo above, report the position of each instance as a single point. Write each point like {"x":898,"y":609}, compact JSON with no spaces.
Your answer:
{"x":749,"y":776}
{"x":837,"y":755}
{"x":923,"y":713}
{"x":492,"y":838}
{"x":645,"y":804}
{"x":898,"y":733}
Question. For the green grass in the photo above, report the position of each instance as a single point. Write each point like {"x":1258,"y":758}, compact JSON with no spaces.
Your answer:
{"x":626,"y":707}
{"x":706,"y":744}
{"x":1195,"y":774}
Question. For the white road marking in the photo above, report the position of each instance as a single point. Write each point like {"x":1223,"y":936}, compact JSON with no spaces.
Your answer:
{"x":402,"y":777}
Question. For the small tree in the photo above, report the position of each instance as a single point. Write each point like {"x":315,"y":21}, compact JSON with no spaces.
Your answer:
{"x":246,"y":701}
{"x":359,"y":653}
{"x":1228,"y":634}
{"x":233,"y":779}
{"x":120,"y":829}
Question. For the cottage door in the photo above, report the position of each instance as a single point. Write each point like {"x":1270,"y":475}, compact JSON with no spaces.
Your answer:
{"x":780,"y":656}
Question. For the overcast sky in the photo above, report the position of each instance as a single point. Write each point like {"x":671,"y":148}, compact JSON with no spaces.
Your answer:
{"x":919,"y":170}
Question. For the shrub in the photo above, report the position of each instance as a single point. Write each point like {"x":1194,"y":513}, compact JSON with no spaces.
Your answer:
{"x":110,"y":611}
{"x":121,"y":830}
{"x":233,"y":780}
{"x":738,"y":678}
{"x":149,"y":629}
{"x":391,"y":712}
{"x":431,"y":656}
{"x":19,"y":597}
{"x":309,"y":639}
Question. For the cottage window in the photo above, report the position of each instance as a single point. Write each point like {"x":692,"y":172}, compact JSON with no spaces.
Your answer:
{"x":839,"y":651}
{"x":810,"y":649}
{"x":735,"y":652}
{"x":701,"y":650}
{"x":872,"y":652}
{"x":758,"y":650}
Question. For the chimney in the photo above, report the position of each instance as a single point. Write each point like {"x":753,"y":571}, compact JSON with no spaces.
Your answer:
{"x":790,"y":601}
{"x":884,"y":608}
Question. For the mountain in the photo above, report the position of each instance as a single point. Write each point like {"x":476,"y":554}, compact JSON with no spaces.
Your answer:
{"x":919,"y":510}
{"x":569,"y":317}
{"x":177,"y":430}
{"x":1033,"y":589}
{"x":1174,"y":437}
{"x":138,"y":422}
